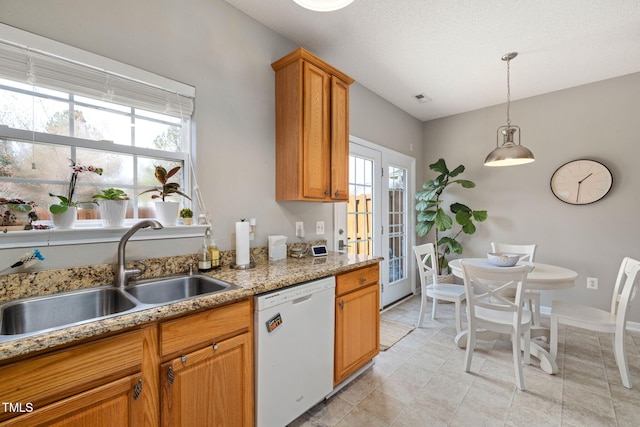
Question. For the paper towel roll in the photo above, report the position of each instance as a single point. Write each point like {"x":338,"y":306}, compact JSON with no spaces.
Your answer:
{"x":242,"y":243}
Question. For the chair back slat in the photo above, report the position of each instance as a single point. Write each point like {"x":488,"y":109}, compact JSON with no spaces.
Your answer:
{"x":493,"y":288}
{"x":622,"y":301}
{"x":426,"y":262}
{"x":526,"y":252}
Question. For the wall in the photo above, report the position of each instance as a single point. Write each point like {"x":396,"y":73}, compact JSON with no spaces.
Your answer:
{"x":594,"y":121}
{"x":227,"y":56}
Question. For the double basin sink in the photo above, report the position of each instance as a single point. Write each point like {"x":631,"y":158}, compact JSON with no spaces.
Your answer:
{"x":38,"y":314}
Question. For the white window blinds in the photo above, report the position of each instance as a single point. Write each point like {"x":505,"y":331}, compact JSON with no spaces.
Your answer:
{"x":25,"y":64}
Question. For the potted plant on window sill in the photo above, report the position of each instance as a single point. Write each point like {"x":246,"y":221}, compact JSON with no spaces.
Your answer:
{"x":65,"y":213}
{"x":431,"y":215}
{"x":166,"y":211}
{"x":17,"y":214}
{"x":113,"y":207}
{"x":187,"y":216}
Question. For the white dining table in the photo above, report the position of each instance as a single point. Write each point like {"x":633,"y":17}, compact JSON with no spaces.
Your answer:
{"x":543,"y":277}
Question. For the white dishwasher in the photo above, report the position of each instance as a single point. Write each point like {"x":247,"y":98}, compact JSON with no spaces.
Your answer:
{"x":294,"y":329}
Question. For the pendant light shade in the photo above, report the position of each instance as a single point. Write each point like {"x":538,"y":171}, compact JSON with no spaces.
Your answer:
{"x":323,"y":5}
{"x":509,"y":153}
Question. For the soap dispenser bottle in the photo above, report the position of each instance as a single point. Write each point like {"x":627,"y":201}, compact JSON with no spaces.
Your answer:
{"x":204,"y":258}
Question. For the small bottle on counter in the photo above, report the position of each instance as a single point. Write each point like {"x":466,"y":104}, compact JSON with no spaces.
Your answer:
{"x":215,"y":254}
{"x":204,"y":258}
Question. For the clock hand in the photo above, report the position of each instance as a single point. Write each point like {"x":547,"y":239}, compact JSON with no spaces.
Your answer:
{"x":578,"y":192}
{"x":580,"y":182}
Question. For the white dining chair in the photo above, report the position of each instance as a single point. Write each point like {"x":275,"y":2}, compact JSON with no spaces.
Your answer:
{"x":428,"y":267}
{"x":594,"y":319}
{"x":488,"y":308}
{"x":527,"y":253}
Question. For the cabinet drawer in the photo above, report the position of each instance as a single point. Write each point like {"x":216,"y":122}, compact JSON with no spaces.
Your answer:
{"x":348,"y":282}
{"x":180,"y":335}
{"x":54,"y":376}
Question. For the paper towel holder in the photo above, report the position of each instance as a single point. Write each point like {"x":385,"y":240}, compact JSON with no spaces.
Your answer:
{"x":244,"y":266}
{"x":249,"y":257}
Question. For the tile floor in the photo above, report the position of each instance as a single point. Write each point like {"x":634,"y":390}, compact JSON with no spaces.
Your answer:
{"x":420,"y":382}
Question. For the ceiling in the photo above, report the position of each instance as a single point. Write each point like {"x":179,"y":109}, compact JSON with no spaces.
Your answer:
{"x":450,"y":50}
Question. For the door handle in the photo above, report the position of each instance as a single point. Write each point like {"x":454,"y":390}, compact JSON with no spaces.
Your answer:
{"x":341,"y":304}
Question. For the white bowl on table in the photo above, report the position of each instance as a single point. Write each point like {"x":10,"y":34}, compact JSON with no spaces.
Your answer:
{"x":503,"y":259}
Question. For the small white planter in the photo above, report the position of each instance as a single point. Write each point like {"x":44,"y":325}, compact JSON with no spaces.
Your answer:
{"x":113,"y":212}
{"x":66,"y":220}
{"x":167,"y":212}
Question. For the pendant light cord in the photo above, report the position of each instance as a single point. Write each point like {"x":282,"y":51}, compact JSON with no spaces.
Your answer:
{"x":508,"y":92}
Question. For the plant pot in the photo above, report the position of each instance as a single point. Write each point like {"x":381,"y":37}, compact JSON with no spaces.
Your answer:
{"x":187,"y":221}
{"x":167,"y":212}
{"x":441,"y":278}
{"x":66,"y":220}
{"x":12,"y":218}
{"x":113,"y":212}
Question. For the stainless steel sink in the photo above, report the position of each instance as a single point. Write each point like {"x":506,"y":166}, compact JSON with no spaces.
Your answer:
{"x":176,"y":288}
{"x":41,"y":313}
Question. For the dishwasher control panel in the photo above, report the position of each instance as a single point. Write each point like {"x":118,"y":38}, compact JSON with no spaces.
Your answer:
{"x":280,"y":296}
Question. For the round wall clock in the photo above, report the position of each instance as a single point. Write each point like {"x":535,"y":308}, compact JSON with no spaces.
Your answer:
{"x":580,"y":182}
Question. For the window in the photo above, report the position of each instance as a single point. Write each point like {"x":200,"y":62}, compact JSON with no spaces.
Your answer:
{"x":63,"y":105}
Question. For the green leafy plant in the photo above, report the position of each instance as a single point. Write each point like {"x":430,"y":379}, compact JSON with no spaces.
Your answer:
{"x":186,"y":213}
{"x":66,"y":201}
{"x":111,"y":194}
{"x":432,"y":215}
{"x":13,"y":206}
{"x":166,"y":189}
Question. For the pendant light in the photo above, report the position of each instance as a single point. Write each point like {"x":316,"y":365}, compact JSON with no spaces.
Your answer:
{"x":509,"y":154}
{"x":323,"y":5}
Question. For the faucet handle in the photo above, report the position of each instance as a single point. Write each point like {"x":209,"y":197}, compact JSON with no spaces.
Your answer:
{"x":140,"y":271}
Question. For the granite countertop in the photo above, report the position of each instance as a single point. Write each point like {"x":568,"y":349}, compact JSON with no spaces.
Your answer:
{"x":266,"y":276}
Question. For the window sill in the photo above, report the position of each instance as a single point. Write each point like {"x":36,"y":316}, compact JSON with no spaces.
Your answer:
{"x":93,"y":233}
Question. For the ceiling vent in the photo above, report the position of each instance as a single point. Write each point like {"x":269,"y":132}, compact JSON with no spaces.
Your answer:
{"x":422,"y":98}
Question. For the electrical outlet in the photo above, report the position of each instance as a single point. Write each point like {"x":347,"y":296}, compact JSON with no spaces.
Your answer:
{"x":592,"y":283}
{"x":319,"y":227}
{"x":299,"y":229}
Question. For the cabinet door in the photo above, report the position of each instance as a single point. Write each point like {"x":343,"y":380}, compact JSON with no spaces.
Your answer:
{"x":210,"y":387}
{"x":339,"y":139}
{"x":316,"y":148}
{"x":113,"y":404}
{"x":357,"y":330}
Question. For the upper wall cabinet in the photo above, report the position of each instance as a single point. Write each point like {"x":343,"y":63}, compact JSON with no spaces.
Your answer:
{"x":312,"y":129}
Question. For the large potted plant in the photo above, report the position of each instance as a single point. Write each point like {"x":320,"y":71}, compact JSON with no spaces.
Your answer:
{"x":65,"y":213}
{"x":431,"y":213}
{"x":113,"y":206}
{"x":166,"y":211}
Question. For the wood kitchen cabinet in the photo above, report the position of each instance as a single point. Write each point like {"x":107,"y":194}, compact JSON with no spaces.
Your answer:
{"x":312,"y":129}
{"x":207,"y":377}
{"x":94,"y":384}
{"x":357,"y":333}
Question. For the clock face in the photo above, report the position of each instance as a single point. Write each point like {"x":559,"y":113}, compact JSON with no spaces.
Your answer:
{"x":580,"y":182}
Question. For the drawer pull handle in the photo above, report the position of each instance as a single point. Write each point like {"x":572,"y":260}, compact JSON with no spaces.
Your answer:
{"x":183,"y":359}
{"x":171,"y":375}
{"x":137,"y":389}
{"x":215,"y":346}
{"x":362,"y":280}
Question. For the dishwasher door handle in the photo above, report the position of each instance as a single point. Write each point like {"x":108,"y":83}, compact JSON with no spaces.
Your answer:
{"x":301,"y":299}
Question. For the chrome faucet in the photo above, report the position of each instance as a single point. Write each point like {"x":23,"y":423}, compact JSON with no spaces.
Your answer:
{"x":123,"y":274}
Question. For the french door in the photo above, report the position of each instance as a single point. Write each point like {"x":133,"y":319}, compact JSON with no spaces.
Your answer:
{"x":378,"y":219}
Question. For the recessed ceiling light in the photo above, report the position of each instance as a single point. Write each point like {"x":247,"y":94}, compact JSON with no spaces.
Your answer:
{"x":323,"y":5}
{"x":422,"y":98}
